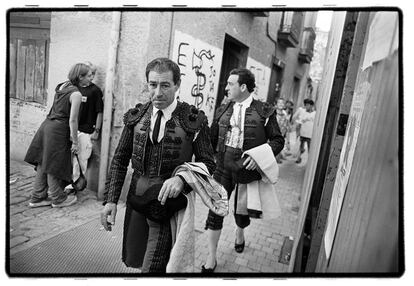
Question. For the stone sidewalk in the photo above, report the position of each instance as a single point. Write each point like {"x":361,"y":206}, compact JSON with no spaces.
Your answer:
{"x":264,"y":238}
{"x":29,"y":226}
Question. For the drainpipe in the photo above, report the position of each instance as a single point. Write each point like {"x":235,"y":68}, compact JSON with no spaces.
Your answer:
{"x":108,"y":101}
{"x":171,"y":33}
{"x":268,"y":34}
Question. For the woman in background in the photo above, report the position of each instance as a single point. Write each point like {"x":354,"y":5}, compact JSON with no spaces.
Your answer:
{"x":283,"y":121}
{"x":55,"y":140}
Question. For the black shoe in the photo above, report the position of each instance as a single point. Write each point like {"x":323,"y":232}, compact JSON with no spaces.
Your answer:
{"x":239,"y":247}
{"x":208,"y":270}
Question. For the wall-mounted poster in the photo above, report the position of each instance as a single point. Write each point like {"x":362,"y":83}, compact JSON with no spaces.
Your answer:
{"x":200,"y":65}
{"x":345,"y":162}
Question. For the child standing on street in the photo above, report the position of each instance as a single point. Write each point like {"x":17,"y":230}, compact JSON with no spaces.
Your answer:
{"x":305,"y":118}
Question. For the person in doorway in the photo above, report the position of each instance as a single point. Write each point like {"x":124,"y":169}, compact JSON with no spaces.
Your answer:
{"x":240,"y":125}
{"x":289,"y":108}
{"x":305,"y":119}
{"x":51,"y":147}
{"x":90,"y":122}
{"x":283,"y":123}
{"x":290,"y":130}
{"x":158,"y":136}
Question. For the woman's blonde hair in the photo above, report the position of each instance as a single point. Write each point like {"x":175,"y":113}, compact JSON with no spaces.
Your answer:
{"x":77,"y":71}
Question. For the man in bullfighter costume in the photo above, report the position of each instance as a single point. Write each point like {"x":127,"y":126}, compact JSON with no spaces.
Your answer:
{"x":158,"y":136}
{"x":242,"y":124}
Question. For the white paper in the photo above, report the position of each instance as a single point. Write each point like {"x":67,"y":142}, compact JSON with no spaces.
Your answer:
{"x":382,"y":38}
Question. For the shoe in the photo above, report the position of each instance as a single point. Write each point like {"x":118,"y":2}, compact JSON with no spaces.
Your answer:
{"x":70,"y":191}
{"x":208,"y":270}
{"x":70,"y":200}
{"x":279,"y":161}
{"x":298,"y":160}
{"x":42,"y":203}
{"x":239,"y":247}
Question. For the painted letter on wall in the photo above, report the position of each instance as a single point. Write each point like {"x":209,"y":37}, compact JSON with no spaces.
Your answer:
{"x":200,"y":65}
{"x":262,"y":76}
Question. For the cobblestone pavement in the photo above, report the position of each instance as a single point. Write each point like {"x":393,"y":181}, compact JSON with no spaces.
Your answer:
{"x":264,"y":238}
{"x":29,"y":226}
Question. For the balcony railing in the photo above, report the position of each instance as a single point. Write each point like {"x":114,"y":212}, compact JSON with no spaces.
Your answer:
{"x":290,"y":28}
{"x":306,"y":45}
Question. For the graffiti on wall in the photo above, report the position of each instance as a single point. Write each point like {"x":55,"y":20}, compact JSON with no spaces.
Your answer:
{"x":200,"y":65}
{"x":262,"y":77}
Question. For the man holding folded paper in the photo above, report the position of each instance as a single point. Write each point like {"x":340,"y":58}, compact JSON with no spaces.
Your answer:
{"x":246,"y":137}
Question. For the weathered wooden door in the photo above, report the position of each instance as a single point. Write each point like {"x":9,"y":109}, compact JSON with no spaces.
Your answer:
{"x":28,"y":55}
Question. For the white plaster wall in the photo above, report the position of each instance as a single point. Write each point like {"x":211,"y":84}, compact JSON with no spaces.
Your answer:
{"x":130,"y":83}
{"x":262,"y":78}
{"x":25,"y":118}
{"x":77,"y":37}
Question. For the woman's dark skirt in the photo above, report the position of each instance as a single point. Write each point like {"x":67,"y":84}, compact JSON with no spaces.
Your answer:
{"x":50,"y":147}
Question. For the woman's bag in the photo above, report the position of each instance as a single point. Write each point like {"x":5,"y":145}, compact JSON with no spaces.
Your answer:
{"x":80,"y":184}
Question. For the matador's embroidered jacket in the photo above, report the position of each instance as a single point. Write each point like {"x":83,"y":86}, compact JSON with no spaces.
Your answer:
{"x":256,"y":130}
{"x":186,"y":134}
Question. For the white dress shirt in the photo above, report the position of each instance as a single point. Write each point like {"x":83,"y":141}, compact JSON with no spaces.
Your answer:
{"x":235,"y":136}
{"x":166,"y":115}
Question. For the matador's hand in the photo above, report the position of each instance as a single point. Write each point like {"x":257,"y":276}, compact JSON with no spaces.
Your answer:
{"x":170,"y":189}
{"x":250,"y":164}
{"x":108,"y":215}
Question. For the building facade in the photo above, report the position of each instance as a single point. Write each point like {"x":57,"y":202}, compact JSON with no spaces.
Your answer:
{"x":277,"y":46}
{"x":351,"y":200}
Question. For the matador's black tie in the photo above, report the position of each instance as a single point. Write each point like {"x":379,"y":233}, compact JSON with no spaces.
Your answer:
{"x":157,"y":125}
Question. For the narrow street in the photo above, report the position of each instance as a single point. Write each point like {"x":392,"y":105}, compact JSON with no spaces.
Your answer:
{"x":264,"y":238}
{"x":38,"y":236}
{"x":331,"y":77}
